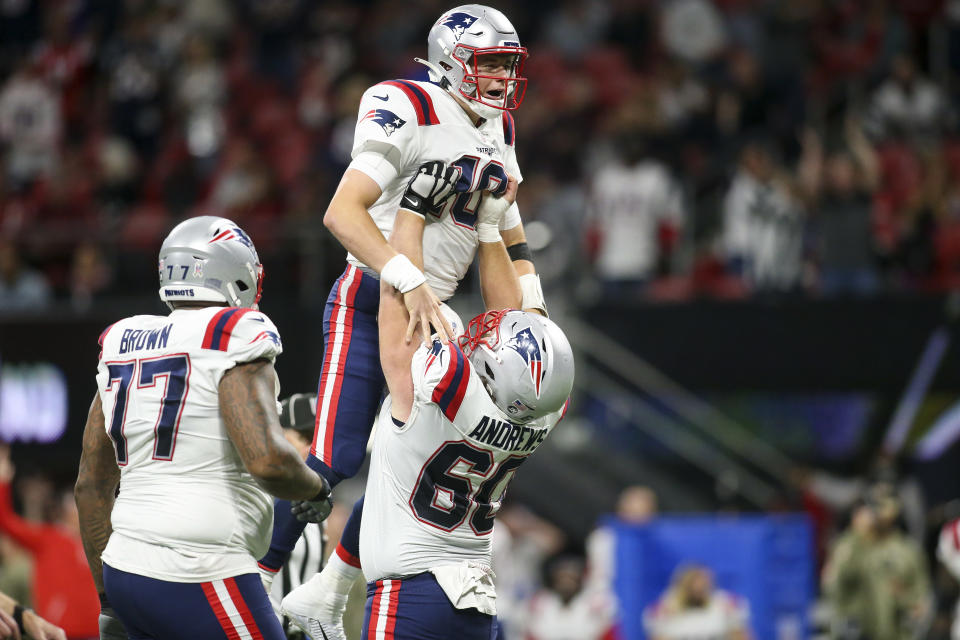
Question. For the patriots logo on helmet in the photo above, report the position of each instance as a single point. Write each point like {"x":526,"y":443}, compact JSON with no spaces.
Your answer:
{"x":458,"y":23}
{"x":388,"y":120}
{"x":232,"y":233}
{"x":526,"y":345}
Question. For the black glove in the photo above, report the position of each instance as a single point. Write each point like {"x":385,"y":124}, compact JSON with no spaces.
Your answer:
{"x":317,"y":508}
{"x":311,"y":510}
{"x":429,"y":187}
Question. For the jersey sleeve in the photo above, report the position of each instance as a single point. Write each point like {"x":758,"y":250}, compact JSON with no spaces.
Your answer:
{"x":386,"y":139}
{"x":441,"y":374}
{"x":242,"y":335}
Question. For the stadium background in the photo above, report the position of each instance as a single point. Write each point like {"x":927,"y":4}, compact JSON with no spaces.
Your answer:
{"x":762,"y":325}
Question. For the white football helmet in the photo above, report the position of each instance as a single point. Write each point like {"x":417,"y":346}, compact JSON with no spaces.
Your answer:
{"x":210,"y":259}
{"x":456,"y":47}
{"x":524,"y":360}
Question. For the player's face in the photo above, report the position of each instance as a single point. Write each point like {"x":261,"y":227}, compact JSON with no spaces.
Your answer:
{"x":499,"y":67}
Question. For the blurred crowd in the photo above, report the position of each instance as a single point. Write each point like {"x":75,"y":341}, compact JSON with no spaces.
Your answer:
{"x":670,"y":149}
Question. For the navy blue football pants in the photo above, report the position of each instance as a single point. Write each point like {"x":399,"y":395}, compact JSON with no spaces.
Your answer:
{"x":233,"y":608}
{"x":416,"y":608}
{"x":348,"y":396}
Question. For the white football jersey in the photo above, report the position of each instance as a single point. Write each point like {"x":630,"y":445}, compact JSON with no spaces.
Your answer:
{"x":187,"y":511}
{"x":437,"y":482}
{"x":404,"y":123}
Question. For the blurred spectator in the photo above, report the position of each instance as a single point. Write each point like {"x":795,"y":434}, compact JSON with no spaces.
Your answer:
{"x":908,"y":104}
{"x":576,"y":26}
{"x":16,"y":572}
{"x":636,"y":505}
{"x":63,"y":590}
{"x":841,"y":494}
{"x":90,"y":276}
{"x":133,"y":67}
{"x":30,"y":124}
{"x":637,"y":213}
{"x":21,"y":288}
{"x":693,"y":29}
{"x":564,"y":610}
{"x":763,"y":234}
{"x":948,"y":552}
{"x":200,"y":93}
{"x":521,"y":543}
{"x":840,"y":190}
{"x":876,"y":579}
{"x":692,"y":608}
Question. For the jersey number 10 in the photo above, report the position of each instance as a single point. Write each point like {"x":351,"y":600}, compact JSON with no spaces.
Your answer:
{"x":175,"y":370}
{"x":472,"y":184}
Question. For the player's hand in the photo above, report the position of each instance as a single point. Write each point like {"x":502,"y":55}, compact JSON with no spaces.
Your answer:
{"x":311,"y":510}
{"x":8,"y":627}
{"x":39,"y":629}
{"x":423,"y":305}
{"x":492,"y":209}
{"x":6,"y":465}
{"x":110,"y":626}
{"x":429,"y":187}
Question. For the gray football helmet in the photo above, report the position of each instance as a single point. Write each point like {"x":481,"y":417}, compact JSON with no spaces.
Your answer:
{"x":456,"y":46}
{"x":210,"y":259}
{"x":524,"y":360}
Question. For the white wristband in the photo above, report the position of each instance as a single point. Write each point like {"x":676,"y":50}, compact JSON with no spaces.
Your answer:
{"x":532,"y":292}
{"x":488,"y":232}
{"x":401,"y":274}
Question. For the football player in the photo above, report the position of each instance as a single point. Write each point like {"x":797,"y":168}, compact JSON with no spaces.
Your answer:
{"x":460,"y":420}
{"x":185,"y":418}
{"x":415,"y":143}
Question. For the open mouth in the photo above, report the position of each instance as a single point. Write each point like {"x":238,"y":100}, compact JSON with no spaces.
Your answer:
{"x":495,"y":94}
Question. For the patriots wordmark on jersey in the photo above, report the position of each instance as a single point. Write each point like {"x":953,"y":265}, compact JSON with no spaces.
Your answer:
{"x":188,"y":511}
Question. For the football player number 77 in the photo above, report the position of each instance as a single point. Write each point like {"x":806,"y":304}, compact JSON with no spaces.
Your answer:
{"x":175,"y":371}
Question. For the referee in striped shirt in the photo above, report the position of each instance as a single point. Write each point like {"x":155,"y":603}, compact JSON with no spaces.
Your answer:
{"x":297,"y":417}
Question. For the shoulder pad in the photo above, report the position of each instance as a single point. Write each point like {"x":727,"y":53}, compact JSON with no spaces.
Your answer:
{"x":419,"y":98}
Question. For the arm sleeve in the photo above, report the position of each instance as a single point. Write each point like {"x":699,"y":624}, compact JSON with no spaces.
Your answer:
{"x":386,"y":138}
{"x":440,"y":375}
{"x":24,"y":533}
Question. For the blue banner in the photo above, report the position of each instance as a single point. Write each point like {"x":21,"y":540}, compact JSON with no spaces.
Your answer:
{"x":768,"y":560}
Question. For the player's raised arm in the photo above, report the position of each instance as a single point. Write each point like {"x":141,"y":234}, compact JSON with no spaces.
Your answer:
{"x":516,"y":242}
{"x":499,"y":284}
{"x":96,"y":489}
{"x":247,"y":404}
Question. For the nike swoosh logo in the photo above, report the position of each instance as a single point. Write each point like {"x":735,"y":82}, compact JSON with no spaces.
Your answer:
{"x":258,"y":319}
{"x":384,"y":98}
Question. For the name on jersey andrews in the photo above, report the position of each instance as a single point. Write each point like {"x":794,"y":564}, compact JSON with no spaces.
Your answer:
{"x":137,"y":339}
{"x":506,"y":435}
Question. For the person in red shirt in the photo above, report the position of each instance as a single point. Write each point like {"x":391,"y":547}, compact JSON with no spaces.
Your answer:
{"x":63,"y":590}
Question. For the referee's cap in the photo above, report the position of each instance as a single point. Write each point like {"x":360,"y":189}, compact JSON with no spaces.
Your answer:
{"x":299,"y":412}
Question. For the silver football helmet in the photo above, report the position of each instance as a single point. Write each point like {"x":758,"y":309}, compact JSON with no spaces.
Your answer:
{"x":210,"y":259}
{"x":457,"y":45}
{"x":524,"y":360}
